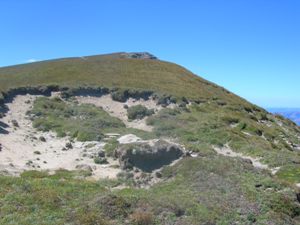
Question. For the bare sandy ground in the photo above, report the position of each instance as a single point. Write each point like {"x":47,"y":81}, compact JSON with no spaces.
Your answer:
{"x":227,"y":151}
{"x":21,"y":145}
{"x":22,"y":148}
{"x":118,"y":110}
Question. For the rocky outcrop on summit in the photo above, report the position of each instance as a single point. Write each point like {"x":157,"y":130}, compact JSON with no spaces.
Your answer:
{"x":139,"y":55}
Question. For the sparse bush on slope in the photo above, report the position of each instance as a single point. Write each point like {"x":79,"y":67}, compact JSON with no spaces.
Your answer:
{"x":84,"y":122}
{"x":138,"y":112}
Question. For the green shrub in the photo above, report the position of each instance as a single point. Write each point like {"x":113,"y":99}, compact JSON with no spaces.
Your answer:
{"x":119,"y":95}
{"x":100,"y":160}
{"x":138,"y":112}
{"x":230,"y":120}
{"x":84,"y":122}
{"x":110,"y":147}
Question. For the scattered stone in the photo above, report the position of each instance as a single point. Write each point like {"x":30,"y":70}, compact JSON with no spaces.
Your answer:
{"x":158,"y":174}
{"x":84,"y":167}
{"x":15,"y":123}
{"x":248,"y":161}
{"x":69,"y":145}
{"x":129,"y":138}
{"x":42,"y":139}
{"x":125,"y":175}
{"x":101,"y":153}
{"x":112,"y":134}
{"x":296,"y":161}
{"x":194,"y":155}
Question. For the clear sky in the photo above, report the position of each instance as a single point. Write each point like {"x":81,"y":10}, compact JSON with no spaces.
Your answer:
{"x":251,"y":47}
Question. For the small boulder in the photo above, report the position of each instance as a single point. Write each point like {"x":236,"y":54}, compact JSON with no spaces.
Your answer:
{"x":68,"y":145}
{"x":42,"y":139}
{"x":84,"y":167}
{"x":101,"y":153}
{"x":158,"y":174}
{"x":248,"y":161}
{"x":15,"y":123}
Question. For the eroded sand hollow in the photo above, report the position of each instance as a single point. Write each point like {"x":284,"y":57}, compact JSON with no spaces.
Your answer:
{"x":23,"y":149}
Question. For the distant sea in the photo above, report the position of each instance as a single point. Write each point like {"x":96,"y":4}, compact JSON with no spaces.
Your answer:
{"x":290,"y":113}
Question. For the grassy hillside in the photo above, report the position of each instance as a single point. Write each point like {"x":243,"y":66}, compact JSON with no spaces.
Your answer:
{"x":209,"y":189}
{"x":114,"y":71}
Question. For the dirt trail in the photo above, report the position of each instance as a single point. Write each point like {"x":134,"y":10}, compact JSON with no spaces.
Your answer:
{"x":227,"y":151}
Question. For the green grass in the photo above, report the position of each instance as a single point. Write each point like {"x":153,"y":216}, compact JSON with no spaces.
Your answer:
{"x":114,"y":71}
{"x":210,"y":189}
{"x":138,"y":112}
{"x":216,"y":190}
{"x":201,"y":127}
{"x":84,"y":122}
{"x":290,"y":173}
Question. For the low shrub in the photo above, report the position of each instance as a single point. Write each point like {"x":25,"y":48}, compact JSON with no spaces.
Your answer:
{"x":110,"y":147}
{"x":100,"y":160}
{"x":142,"y":218}
{"x":138,"y":112}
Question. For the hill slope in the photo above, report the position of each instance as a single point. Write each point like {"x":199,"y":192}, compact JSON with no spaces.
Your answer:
{"x":114,"y":70}
{"x":236,"y":163}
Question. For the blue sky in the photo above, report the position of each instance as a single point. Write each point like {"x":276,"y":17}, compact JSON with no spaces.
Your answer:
{"x":251,"y":47}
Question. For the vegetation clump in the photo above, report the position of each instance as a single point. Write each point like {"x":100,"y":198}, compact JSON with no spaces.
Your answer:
{"x":138,"y":112}
{"x":100,"y":160}
{"x":84,"y":122}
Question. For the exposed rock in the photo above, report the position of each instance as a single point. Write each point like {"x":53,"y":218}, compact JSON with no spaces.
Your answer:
{"x":15,"y":123}
{"x":43,"y":139}
{"x":69,"y":145}
{"x":158,"y":174}
{"x":101,"y":153}
{"x":84,"y":167}
{"x":138,"y":55}
{"x":248,"y":161}
{"x":129,"y":138}
{"x":148,"y":157}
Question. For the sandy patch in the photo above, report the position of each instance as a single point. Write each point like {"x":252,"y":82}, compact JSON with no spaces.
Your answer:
{"x":227,"y":151}
{"x":117,"y":109}
{"x":22,"y":148}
